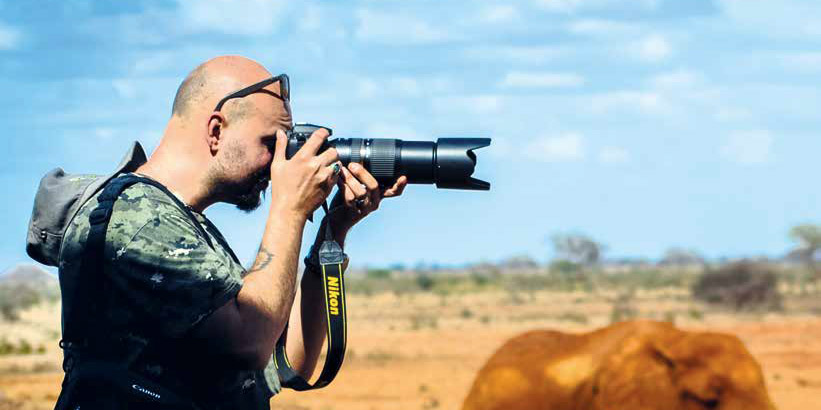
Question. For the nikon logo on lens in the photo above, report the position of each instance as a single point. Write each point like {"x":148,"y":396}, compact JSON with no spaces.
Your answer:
{"x":448,"y":162}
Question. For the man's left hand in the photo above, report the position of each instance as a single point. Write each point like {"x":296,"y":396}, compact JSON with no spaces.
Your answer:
{"x":360,"y":194}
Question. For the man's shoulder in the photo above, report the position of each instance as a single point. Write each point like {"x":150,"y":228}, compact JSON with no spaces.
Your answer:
{"x":143,"y":203}
{"x":138,"y":206}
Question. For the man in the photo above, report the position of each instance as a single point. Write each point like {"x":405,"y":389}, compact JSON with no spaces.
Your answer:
{"x":207,"y":326}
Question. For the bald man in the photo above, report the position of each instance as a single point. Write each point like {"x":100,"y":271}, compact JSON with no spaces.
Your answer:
{"x":185,"y":314}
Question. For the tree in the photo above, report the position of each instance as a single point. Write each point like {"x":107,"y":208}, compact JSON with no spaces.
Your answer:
{"x":808,"y":237}
{"x":681,"y":257}
{"x":577,"y":248}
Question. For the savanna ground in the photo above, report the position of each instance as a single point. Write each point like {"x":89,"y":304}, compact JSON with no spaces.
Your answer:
{"x":417,"y":342}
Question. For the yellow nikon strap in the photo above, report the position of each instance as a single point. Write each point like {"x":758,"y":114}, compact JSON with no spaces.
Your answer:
{"x":331,"y":259}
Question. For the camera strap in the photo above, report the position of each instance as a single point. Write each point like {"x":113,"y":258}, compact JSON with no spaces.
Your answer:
{"x":331,"y":260}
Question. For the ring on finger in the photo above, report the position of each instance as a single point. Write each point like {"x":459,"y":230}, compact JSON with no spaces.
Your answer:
{"x":360,"y":202}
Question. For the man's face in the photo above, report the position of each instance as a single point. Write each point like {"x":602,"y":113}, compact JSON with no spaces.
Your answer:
{"x":244,"y":162}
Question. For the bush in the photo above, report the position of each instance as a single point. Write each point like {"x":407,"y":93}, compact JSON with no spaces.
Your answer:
{"x":378,"y":274}
{"x":575,"y":317}
{"x":739,"y":286}
{"x":425,"y":282}
{"x":16,"y":297}
{"x":422,"y":320}
{"x":564,"y":266}
{"x":623,"y":308}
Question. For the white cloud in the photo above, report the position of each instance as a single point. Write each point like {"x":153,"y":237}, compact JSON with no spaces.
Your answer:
{"x":614,"y":155}
{"x":599,"y":27}
{"x":407,"y":86}
{"x":9,"y":37}
{"x":476,"y":104}
{"x":500,"y":13}
{"x":642,"y":101}
{"x":250,"y":18}
{"x":559,"y":5}
{"x":125,"y":88}
{"x":311,"y":19}
{"x":652,"y":49}
{"x":748,"y":147}
{"x":367,"y":88}
{"x":678,"y":79}
{"x":562,"y":148}
{"x":382,"y":130}
{"x":795,"y":19}
{"x":572,"y":6}
{"x":517,"y":54}
{"x":732,"y":114}
{"x":395,"y":28}
{"x":542,"y":79}
{"x":401,"y":86}
{"x":806,"y":62}
{"x":104,"y":134}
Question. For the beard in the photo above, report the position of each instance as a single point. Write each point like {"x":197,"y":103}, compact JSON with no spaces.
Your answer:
{"x":245,"y":194}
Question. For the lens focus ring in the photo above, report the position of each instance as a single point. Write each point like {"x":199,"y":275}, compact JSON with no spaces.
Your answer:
{"x":356,"y":150}
{"x":383,"y":158}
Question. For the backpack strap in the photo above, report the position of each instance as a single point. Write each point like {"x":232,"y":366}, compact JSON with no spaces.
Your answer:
{"x":80,"y":336}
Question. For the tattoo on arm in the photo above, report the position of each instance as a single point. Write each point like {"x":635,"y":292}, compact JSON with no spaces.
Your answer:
{"x":263,"y":259}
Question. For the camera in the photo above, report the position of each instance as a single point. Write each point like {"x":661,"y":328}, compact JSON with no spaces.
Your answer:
{"x":448,"y":162}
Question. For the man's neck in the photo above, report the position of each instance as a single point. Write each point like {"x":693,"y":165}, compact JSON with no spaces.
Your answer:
{"x":177,"y":171}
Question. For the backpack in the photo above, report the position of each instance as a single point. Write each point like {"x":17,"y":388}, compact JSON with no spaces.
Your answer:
{"x":59,"y":197}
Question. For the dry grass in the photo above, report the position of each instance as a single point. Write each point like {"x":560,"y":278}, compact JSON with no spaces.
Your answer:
{"x":400,"y":359}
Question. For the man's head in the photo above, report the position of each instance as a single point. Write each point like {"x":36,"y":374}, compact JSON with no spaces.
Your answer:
{"x":233,"y":145}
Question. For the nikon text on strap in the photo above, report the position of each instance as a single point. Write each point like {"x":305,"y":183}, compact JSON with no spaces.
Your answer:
{"x":331,"y":260}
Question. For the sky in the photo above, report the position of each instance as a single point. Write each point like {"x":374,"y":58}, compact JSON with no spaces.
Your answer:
{"x":646,"y":124}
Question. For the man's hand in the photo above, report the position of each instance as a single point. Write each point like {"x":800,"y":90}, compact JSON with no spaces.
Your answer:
{"x":302,"y":183}
{"x":359,"y":194}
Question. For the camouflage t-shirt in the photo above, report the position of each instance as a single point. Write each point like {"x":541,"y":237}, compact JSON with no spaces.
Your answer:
{"x":163,"y":279}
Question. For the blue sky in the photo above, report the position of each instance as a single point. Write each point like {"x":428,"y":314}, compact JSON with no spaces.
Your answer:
{"x":645,"y":124}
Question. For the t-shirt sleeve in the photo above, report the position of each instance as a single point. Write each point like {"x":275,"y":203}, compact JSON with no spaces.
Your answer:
{"x":163,"y":266}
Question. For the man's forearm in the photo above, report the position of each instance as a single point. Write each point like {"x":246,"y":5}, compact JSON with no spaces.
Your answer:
{"x":269,"y":287}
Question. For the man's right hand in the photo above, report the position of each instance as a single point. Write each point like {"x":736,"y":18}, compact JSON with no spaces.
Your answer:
{"x":302,"y":183}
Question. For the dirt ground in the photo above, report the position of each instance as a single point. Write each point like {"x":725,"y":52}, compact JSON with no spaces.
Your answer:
{"x":422,"y":351}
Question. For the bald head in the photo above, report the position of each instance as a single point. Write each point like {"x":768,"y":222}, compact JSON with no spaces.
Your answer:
{"x":220,"y":156}
{"x":214,"y":79}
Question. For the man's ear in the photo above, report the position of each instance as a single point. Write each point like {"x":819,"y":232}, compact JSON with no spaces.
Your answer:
{"x":215,"y":123}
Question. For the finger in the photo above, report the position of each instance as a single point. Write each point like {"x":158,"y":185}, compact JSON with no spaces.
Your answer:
{"x":364,"y":176}
{"x":371,"y":184}
{"x":329,"y":156}
{"x":280,"y":146}
{"x":336,"y":171}
{"x":314,"y":142}
{"x":397,"y":187}
{"x":350,"y":196}
{"x":326,"y":176}
{"x":353,"y":183}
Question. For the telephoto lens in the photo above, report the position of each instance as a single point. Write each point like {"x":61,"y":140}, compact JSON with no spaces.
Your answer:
{"x":448,"y":162}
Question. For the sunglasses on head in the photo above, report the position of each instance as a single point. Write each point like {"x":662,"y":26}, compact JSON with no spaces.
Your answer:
{"x":284,"y":90}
